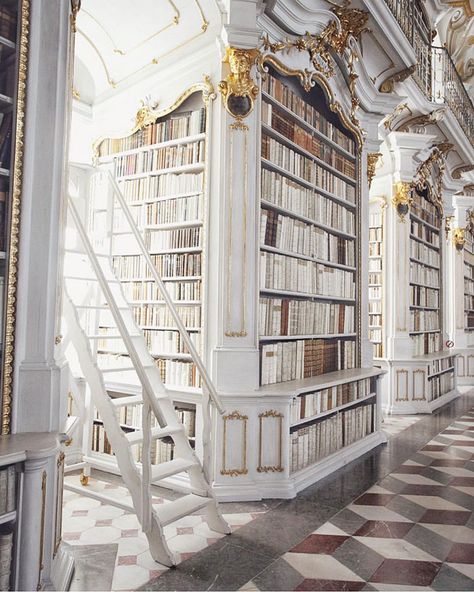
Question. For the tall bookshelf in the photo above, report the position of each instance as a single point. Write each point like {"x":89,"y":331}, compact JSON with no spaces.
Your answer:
{"x":468,"y":281}
{"x":160,"y":170}
{"x":376,"y":280}
{"x":308,"y":238}
{"x":425,"y":276}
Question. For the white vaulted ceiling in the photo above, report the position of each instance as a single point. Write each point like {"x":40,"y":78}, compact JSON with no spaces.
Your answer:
{"x":120,"y":41}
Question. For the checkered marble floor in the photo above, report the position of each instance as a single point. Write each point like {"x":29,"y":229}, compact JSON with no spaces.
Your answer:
{"x":414,"y":530}
{"x":90,"y":522}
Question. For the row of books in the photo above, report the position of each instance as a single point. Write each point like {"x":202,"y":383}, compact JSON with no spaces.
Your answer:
{"x":375,"y":334}
{"x":169,"y":265}
{"x":178,"y":373}
{"x":375,"y":249}
{"x":304,"y":168}
{"x":424,"y":320}
{"x":425,"y":210}
{"x":293,"y":360}
{"x":375,"y":292}
{"x":468,"y":287}
{"x":5,"y":139}
{"x":375,"y":264}
{"x":6,"y":556}
{"x":314,"y":442}
{"x":4,"y":193}
{"x":469,"y":320}
{"x":161,"y":186}
{"x":169,"y":342}
{"x":7,"y":489}
{"x":375,"y":277}
{"x":302,"y":201}
{"x":468,"y":271}
{"x":139,"y":290}
{"x":441,"y":385}
{"x":422,"y":231}
{"x":304,"y":317}
{"x":377,"y":350}
{"x":441,"y":364}
{"x":468,"y":302}
{"x":311,"y":404}
{"x":279,"y":272}
{"x":375,"y":222}
{"x":173,"y":211}
{"x":375,"y":319}
{"x":160,"y":316}
{"x":290,"y":99}
{"x":160,"y":450}
{"x":289,"y":234}
{"x":160,"y":158}
{"x":375,"y":307}
{"x":179,"y":238}
{"x":427,"y":276}
{"x":278,"y":120}
{"x":177,"y":125}
{"x":8,"y":22}
{"x":421,"y":253}
{"x":421,"y":296}
{"x":426,"y":343}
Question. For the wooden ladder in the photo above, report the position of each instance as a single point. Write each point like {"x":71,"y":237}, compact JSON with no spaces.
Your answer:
{"x":159,"y":418}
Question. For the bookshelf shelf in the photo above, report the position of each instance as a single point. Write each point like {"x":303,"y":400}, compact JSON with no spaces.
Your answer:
{"x":4,"y":172}
{"x":8,"y":517}
{"x":295,"y":337}
{"x":7,"y":44}
{"x":306,"y":295}
{"x":186,"y":168}
{"x":332,"y":411}
{"x":271,"y":249}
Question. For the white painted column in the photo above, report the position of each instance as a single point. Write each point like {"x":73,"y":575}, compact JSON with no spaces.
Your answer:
{"x":36,"y":396}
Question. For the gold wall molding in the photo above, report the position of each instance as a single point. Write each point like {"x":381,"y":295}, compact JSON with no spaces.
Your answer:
{"x":388,"y":85}
{"x":39,"y":585}
{"x":422,"y":374}
{"x":461,"y":366}
{"x":401,"y":378}
{"x":242,"y":470}
{"x":75,"y":8}
{"x":277,"y":468}
{"x":234,"y":128}
{"x":16,"y":191}
{"x":239,"y":90}
{"x":372,"y":159}
{"x":58,"y":524}
{"x":470,"y":366}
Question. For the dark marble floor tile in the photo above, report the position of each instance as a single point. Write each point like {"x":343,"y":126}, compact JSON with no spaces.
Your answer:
{"x":463,"y":481}
{"x":414,"y":489}
{"x":392,"y":484}
{"x":429,"y":541}
{"x":279,"y":575}
{"x":449,"y":462}
{"x":359,"y":558}
{"x":461,"y":553}
{"x":348,"y":521}
{"x":421,"y":458}
{"x":409,"y":469}
{"x":458,"y":497}
{"x":406,"y":508}
{"x":374,"y":499}
{"x":457,"y":518}
{"x":436,"y":475}
{"x":449,"y":578}
{"x":329,"y":585}
{"x":434,"y":448}
{"x":385,"y":530}
{"x":406,"y":573}
{"x":219,"y":567}
{"x":319,"y":543}
{"x":94,"y":566}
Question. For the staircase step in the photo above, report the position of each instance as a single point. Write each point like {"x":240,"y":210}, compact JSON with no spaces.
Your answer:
{"x":126,"y":401}
{"x":184,"y":506}
{"x":137,"y":437}
{"x":169,"y":468}
{"x":104,"y":337}
{"x":107,"y":499}
{"x":111,"y":370}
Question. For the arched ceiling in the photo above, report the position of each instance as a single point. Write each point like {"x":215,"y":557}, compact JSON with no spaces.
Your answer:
{"x":118,"y":41}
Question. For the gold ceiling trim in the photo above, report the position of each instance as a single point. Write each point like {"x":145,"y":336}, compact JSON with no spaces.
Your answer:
{"x":16,"y":192}
{"x":154,"y":60}
{"x":147,"y":114}
{"x":465,"y":5}
{"x":174,"y":21}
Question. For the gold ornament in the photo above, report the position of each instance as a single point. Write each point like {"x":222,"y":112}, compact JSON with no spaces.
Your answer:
{"x":372,"y":159}
{"x":459,"y":238}
{"x":238,"y":90}
{"x":402,"y":199}
{"x":388,"y":85}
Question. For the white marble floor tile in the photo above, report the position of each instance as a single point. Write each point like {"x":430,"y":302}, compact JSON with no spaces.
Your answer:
{"x":324,"y":567}
{"x":395,"y":549}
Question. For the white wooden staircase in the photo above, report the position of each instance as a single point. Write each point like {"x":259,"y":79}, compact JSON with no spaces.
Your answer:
{"x":159,"y":418}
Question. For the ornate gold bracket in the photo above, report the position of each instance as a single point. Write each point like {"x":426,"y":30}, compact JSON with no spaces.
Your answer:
{"x":402,"y":199}
{"x":459,"y":238}
{"x":458,"y":171}
{"x":447,"y":225}
{"x":422,"y":120}
{"x":388,"y":85}
{"x":425,"y":172}
{"x":372,"y":159}
{"x":238,"y":90}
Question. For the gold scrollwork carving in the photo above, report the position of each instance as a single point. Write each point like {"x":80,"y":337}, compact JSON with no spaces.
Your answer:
{"x":426,"y":172}
{"x":388,"y":85}
{"x":372,"y":159}
{"x":458,"y":171}
{"x":238,"y":90}
{"x":402,"y":199}
{"x":459,"y":238}
{"x":17,"y":176}
{"x":388,"y":123}
{"x":421,"y":121}
{"x":399,"y":377}
{"x":243,"y":470}
{"x":75,"y":8}
{"x":59,"y":502}
{"x":262,"y":468}
{"x":447,"y":225}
